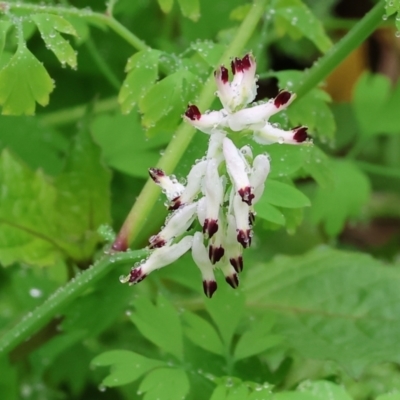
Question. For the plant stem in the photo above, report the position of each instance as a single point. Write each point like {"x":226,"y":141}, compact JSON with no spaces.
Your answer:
{"x":323,"y":67}
{"x":58,"y":300}
{"x":142,"y":208}
{"x":89,"y":15}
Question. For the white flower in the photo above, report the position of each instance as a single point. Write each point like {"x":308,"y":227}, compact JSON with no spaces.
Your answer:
{"x":217,"y":201}
{"x":158,"y":259}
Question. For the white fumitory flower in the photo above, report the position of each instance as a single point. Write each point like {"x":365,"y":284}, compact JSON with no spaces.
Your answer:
{"x":213,"y":213}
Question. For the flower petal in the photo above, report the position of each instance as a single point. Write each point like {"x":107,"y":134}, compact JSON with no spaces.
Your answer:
{"x":271,"y":134}
{"x":200,"y":257}
{"x":233,"y":249}
{"x":158,"y":259}
{"x":169,"y":184}
{"x":175,"y":225}
{"x":261,"y":168}
{"x":207,"y":122}
{"x":243,"y":229}
{"x":236,"y":167}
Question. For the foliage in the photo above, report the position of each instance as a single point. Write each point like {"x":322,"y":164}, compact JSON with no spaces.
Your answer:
{"x":316,"y":315}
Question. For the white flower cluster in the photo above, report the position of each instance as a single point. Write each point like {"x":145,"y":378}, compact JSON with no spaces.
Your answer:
{"x":223,"y":187}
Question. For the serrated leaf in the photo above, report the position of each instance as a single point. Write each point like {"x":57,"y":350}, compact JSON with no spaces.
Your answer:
{"x":268,"y":212}
{"x":24,"y":81}
{"x":166,"y":384}
{"x":126,"y":366}
{"x":257,"y":338}
{"x":283,"y":195}
{"x":295,"y":18}
{"x":149,"y":317}
{"x":202,"y":333}
{"x":334,"y":205}
{"x":42,"y":221}
{"x":4,"y":27}
{"x":226,"y":309}
{"x":190,"y":9}
{"x":323,"y":390}
{"x":332,"y":305}
{"x":166,"y":5}
{"x":142,"y":69}
{"x":49,"y":26}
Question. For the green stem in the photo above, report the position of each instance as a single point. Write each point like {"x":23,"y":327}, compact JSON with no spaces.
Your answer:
{"x":142,"y":208}
{"x":379,"y":169}
{"x":71,"y":115}
{"x":58,"y":300}
{"x":104,"y":19}
{"x":323,"y":67}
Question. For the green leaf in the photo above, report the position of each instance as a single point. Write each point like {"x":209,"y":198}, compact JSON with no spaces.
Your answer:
{"x":392,"y":7}
{"x":318,"y":166}
{"x":202,"y":333}
{"x":24,"y":81}
{"x":209,"y":51}
{"x":334,"y":205}
{"x":375,"y":105}
{"x":4,"y":27}
{"x":323,"y":390}
{"x":149,"y":317}
{"x":286,"y":160}
{"x":42,"y":221}
{"x":283,"y":195}
{"x":296,"y":19}
{"x":331,"y":305}
{"x":231,"y":388}
{"x":294,"y":396}
{"x":83,"y":200}
{"x":167,"y":98}
{"x":126,"y":366}
{"x":268,"y":212}
{"x":142,"y":69}
{"x":49,"y":26}
{"x":190,"y":9}
{"x":127,"y":149}
{"x":166,"y":384}
{"x":389,"y":396}
{"x":226,"y":309}
{"x":166,"y":5}
{"x":257,"y":339}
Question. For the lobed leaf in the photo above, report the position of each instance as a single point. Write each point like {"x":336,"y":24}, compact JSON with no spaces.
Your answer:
{"x":230,"y":388}
{"x":226,"y":310}
{"x":257,"y":338}
{"x":166,"y":384}
{"x":166,"y":5}
{"x":393,"y":7}
{"x":126,"y":366}
{"x":322,"y":390}
{"x":49,"y":26}
{"x":202,"y":333}
{"x":23,"y":82}
{"x":335,"y":204}
{"x":331,"y":305}
{"x":148,"y":318}
{"x":4,"y":27}
{"x":283,"y":195}
{"x":296,"y":19}
{"x":142,"y":69}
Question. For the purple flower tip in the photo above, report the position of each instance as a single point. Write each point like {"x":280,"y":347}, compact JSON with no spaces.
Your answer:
{"x":209,"y":288}
{"x":237,"y":263}
{"x":156,"y":174}
{"x":233,"y":280}
{"x":136,"y":275}
{"x":193,"y":113}
{"x":244,"y":238}
{"x":282,"y":98}
{"x":175,"y":204}
{"x":156,"y":242}
{"x":241,"y":64}
{"x":222,"y":74}
{"x":300,"y":134}
{"x":210,"y":227}
{"x":215,"y":253}
{"x":246,"y":194}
